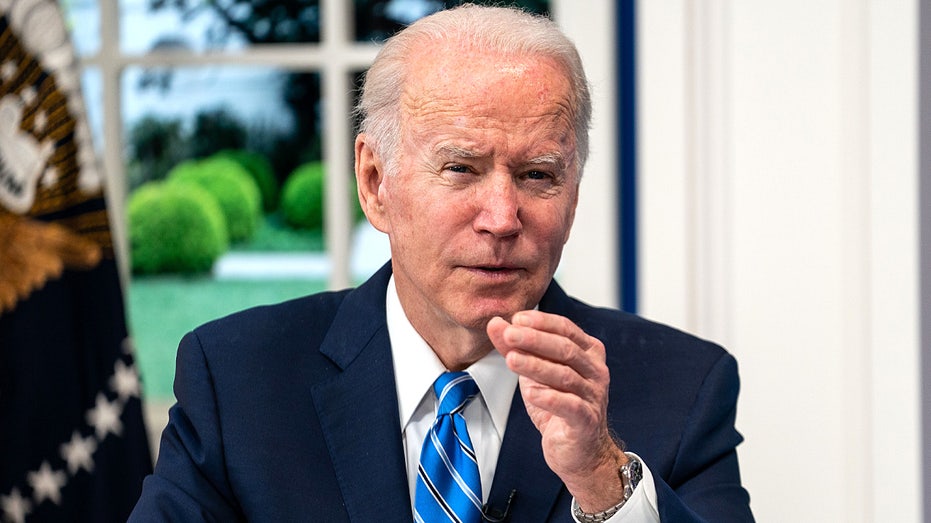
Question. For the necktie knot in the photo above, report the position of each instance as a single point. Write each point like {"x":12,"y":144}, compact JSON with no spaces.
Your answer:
{"x":454,"y":390}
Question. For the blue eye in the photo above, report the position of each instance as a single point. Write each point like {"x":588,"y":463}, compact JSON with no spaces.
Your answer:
{"x":537,"y":175}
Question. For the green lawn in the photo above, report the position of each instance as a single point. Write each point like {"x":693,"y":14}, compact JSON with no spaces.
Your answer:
{"x":162,"y":309}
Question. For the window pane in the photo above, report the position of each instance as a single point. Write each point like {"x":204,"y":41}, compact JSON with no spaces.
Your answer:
{"x":199,"y":26}
{"x":184,"y":124}
{"x":92,"y":89}
{"x":83,"y":19}
{"x":376,"y":20}
{"x":272,"y":111}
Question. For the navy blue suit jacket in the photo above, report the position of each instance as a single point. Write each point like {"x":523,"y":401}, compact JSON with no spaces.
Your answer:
{"x":289,"y":413}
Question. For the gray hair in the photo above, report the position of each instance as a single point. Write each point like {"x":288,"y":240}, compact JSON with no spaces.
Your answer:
{"x":500,"y":29}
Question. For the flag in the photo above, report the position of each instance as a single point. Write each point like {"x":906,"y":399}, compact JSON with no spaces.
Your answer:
{"x":73,"y":445}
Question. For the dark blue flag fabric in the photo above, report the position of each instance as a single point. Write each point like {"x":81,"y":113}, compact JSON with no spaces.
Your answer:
{"x":73,"y":445}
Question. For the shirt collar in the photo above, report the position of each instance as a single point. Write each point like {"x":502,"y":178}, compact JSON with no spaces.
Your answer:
{"x":416,"y":367}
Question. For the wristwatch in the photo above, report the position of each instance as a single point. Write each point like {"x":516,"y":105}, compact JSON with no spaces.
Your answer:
{"x":630,"y":473}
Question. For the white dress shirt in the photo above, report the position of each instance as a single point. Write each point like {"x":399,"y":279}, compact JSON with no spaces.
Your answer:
{"x":416,"y":367}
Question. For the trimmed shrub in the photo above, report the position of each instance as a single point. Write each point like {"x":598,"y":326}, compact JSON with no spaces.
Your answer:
{"x":233,"y":188}
{"x":174,"y":228}
{"x":302,"y":197}
{"x":258,"y":166}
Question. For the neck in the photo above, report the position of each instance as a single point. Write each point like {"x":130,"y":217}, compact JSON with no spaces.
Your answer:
{"x":457,"y":342}
{"x":459,"y":352}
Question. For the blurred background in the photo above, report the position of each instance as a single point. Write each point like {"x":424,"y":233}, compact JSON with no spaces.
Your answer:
{"x":759,"y":177}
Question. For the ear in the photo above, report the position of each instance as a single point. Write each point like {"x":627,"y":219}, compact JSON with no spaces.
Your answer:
{"x":370,"y":175}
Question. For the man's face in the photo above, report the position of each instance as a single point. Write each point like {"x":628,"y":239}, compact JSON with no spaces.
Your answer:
{"x":486,"y":189}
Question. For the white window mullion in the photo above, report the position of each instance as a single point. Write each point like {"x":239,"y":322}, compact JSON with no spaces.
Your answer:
{"x":109,"y":61}
{"x":337,"y":96}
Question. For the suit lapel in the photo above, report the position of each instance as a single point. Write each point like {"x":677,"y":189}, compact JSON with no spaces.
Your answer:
{"x":365,"y":447}
{"x":521,"y":468}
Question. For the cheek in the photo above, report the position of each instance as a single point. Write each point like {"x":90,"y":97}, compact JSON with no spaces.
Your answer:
{"x":416,"y":218}
{"x":552,"y":222}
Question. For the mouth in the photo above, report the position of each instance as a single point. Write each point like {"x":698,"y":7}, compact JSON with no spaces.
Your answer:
{"x":495,"y":270}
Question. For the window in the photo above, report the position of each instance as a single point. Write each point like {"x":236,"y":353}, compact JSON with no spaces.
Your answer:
{"x":166,"y":82}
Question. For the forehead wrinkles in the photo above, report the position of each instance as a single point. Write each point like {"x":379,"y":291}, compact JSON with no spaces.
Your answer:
{"x":480,"y":93}
{"x":498,"y":107}
{"x":462,"y":73}
{"x":454,"y":131}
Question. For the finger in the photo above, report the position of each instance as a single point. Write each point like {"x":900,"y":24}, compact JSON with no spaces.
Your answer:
{"x":495,"y":330}
{"x":555,"y":324}
{"x":560,"y":341}
{"x":580,"y":414}
{"x":557,"y":375}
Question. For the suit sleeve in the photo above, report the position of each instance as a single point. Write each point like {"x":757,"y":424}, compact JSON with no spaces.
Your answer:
{"x":704,"y":484}
{"x":189,"y":482}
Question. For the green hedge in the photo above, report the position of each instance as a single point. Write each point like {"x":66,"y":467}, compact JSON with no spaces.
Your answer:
{"x":231,"y":185}
{"x":302,"y":197}
{"x":174,"y":228}
{"x":258,"y":166}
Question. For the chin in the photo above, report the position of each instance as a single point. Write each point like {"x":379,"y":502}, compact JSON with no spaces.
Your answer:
{"x":480,"y":314}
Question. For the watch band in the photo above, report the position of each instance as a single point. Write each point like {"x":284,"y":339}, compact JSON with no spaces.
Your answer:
{"x":630,"y":473}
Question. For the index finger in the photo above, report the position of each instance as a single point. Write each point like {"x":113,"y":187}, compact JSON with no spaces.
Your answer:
{"x":548,"y":338}
{"x":555,"y":324}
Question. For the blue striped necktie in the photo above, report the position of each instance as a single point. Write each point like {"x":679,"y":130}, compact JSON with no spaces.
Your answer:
{"x":449,"y":487}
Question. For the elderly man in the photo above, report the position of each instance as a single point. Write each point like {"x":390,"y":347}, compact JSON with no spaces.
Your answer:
{"x":459,"y":383}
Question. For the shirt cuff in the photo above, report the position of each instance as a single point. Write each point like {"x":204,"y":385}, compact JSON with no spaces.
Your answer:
{"x":641,"y":507}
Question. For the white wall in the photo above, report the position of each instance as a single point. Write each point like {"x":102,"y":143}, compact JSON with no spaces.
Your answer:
{"x":924,"y":89}
{"x":589,"y":264}
{"x":778,"y":195}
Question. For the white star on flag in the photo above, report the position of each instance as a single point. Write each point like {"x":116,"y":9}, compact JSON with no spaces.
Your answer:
{"x":79,"y":453}
{"x":105,"y":417}
{"x":125,"y":381}
{"x":47,"y":483}
{"x":15,"y":507}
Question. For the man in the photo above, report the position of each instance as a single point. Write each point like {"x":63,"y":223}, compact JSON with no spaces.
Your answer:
{"x":469,"y":158}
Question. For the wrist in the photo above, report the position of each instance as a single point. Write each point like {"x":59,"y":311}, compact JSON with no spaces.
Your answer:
{"x":598,"y":486}
{"x":628,"y":474}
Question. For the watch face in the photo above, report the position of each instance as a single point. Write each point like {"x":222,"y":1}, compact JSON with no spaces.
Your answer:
{"x":632,"y":473}
{"x":636,"y":470}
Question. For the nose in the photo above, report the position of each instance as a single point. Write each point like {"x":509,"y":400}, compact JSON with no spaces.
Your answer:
{"x":498,"y":206}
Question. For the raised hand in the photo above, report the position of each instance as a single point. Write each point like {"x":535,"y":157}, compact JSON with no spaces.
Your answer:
{"x":564,"y":383}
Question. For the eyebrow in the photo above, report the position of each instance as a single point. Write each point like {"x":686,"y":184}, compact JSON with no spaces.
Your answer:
{"x":454,"y":151}
{"x":556,"y":159}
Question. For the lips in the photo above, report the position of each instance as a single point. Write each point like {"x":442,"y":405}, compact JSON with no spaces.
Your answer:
{"x":493,"y":267}
{"x":495,"y":271}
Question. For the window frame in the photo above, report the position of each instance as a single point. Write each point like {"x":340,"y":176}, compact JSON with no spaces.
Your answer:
{"x":336,"y":58}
